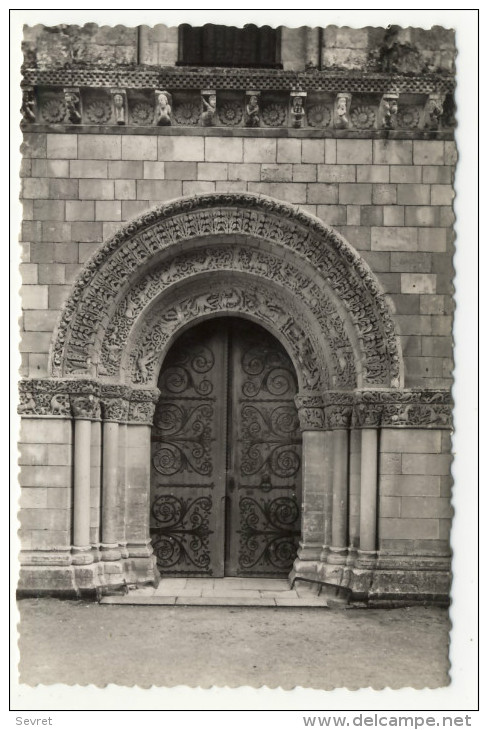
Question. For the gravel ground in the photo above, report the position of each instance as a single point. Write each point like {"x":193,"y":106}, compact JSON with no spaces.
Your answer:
{"x":73,"y":642}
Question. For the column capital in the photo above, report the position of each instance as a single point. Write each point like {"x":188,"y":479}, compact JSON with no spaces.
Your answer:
{"x":310,"y":412}
{"x":114,"y":400}
{"x":142,"y":405}
{"x":338,"y":409}
{"x":86,"y":407}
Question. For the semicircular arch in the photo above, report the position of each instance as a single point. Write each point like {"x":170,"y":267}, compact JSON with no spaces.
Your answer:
{"x":286,"y":249}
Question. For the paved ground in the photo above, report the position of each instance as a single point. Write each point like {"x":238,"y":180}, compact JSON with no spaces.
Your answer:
{"x":223,"y":592}
{"x":88,"y":643}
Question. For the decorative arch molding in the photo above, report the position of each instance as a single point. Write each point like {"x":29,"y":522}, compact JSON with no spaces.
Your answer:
{"x":300,"y":295}
{"x":252,"y":237}
{"x":242,"y":295}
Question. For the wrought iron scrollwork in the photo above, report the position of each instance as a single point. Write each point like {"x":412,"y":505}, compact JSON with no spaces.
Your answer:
{"x":185,"y":436}
{"x":268,"y":533}
{"x":179,"y":376}
{"x":269,"y":372}
{"x":181,"y":536}
{"x":270,"y":440}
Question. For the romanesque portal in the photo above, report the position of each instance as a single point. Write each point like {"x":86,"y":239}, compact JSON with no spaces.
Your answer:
{"x":326,"y":358}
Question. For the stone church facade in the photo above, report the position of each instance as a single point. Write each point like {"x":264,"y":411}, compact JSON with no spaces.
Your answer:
{"x":237,"y":308}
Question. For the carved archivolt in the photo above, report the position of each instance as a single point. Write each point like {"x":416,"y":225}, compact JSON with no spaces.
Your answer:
{"x":241,"y":260}
{"x":288,"y":239}
{"x":212,"y":297}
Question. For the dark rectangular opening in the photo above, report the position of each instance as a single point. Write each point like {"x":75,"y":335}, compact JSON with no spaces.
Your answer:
{"x":221,"y":45}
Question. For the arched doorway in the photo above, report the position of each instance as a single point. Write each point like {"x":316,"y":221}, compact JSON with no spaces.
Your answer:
{"x":226,"y":454}
{"x":201,"y":259}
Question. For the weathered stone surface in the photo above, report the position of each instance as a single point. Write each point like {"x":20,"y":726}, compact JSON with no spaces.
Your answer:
{"x":389,"y":198}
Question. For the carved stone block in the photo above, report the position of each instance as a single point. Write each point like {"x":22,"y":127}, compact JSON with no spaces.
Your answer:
{"x":119,"y":106}
{"x":29,"y":105}
{"x":252,"y":117}
{"x":387,"y":111}
{"x":209,"y":108}
{"x":164,"y":105}
{"x":72,"y":100}
{"x":297,"y":108}
{"x":433,"y":111}
{"x":342,"y":106}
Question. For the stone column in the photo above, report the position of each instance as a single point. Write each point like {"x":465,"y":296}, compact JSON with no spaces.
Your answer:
{"x":369,"y":499}
{"x":338,"y":408}
{"x":114,"y":410}
{"x":367,"y":419}
{"x":367,"y":416}
{"x":141,"y":562}
{"x":109,"y":545}
{"x":310,"y":412}
{"x":122,"y":489}
{"x":85,"y":408}
{"x":327,"y":476}
{"x":339,"y":493}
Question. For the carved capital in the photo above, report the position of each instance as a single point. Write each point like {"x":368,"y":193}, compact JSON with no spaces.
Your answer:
{"x":142,"y":406}
{"x":310,"y":412}
{"x":114,"y":402}
{"x":114,"y":409}
{"x":366,"y":416}
{"x":338,"y":409}
{"x":85,"y":407}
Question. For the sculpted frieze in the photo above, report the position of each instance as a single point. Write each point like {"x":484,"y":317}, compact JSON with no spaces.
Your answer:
{"x":43,"y":398}
{"x":109,"y":272}
{"x":420,"y":408}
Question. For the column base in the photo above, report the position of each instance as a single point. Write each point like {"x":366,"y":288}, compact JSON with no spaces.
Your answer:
{"x":110,"y":553}
{"x":306,"y":563}
{"x":142,"y":571}
{"x":89,"y":581}
{"x":124,"y":553}
{"x":141,"y":549}
{"x":367,"y":578}
{"x":81,"y":555}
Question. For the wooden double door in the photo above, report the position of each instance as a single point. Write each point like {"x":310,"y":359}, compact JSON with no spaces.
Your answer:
{"x":226,"y":455}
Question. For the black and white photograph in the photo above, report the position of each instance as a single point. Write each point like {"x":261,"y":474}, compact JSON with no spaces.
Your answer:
{"x":239,"y":382}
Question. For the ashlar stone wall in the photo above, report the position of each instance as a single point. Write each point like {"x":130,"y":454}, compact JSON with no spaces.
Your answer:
{"x":391,"y":199}
{"x":386,"y":187}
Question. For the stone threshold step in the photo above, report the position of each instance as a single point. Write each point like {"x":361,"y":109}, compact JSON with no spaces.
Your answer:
{"x":212,"y":601}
